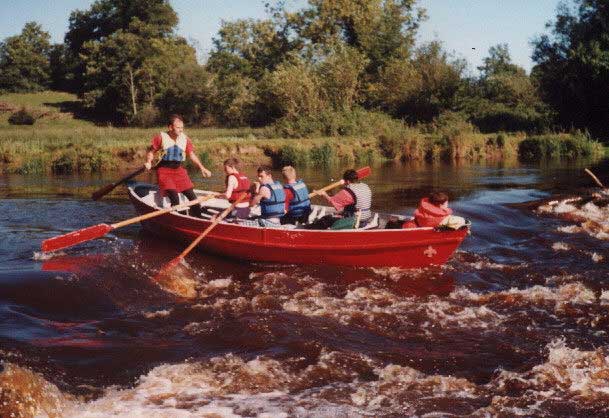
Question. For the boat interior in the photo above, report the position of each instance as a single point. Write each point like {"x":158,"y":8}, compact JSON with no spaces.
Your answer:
{"x":149,"y":195}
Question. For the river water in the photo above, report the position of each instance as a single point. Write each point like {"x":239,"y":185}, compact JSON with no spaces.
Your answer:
{"x":515,"y":324}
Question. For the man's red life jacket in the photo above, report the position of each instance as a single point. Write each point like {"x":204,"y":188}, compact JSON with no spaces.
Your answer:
{"x":428,"y":215}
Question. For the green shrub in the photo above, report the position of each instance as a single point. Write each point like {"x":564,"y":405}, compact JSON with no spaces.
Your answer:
{"x":322,"y":156}
{"x":541,"y":147}
{"x":22,"y":117}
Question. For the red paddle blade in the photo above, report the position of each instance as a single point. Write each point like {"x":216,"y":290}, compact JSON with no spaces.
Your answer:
{"x":363,"y":172}
{"x":75,"y":237}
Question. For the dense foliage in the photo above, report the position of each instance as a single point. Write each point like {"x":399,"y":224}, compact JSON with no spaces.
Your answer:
{"x":24,"y":60}
{"x":573,"y":65}
{"x":330,"y":68}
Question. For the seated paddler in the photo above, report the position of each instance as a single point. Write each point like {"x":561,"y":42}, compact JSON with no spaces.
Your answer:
{"x":237,"y":185}
{"x":297,"y":202}
{"x":270,"y":195}
{"x":354,"y":198}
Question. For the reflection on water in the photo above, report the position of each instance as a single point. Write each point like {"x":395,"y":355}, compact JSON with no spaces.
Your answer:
{"x":514,"y":324}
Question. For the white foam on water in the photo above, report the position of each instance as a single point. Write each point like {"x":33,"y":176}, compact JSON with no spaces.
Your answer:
{"x":597,"y":258}
{"x":367,"y":304}
{"x":158,"y":314}
{"x":42,"y":256}
{"x":560,"y":246}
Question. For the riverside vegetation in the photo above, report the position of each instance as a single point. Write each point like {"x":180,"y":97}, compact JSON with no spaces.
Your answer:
{"x":349,"y":76}
{"x":60,"y":143}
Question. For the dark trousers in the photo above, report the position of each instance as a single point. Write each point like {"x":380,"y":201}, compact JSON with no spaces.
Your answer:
{"x":324,"y":222}
{"x":195,"y":210}
{"x":290,"y":219}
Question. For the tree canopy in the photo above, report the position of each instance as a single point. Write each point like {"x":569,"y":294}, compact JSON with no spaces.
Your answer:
{"x":573,"y":65}
{"x":24,"y":60}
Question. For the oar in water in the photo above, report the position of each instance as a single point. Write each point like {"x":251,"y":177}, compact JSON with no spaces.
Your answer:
{"x":361,"y":173}
{"x":165,"y":273}
{"x":596,"y":180}
{"x":97,"y":231}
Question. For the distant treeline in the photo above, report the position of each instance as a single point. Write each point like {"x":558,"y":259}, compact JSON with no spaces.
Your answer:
{"x":334,"y":67}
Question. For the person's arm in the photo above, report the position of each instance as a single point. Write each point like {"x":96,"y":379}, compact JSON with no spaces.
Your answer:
{"x":155,"y":145}
{"x":232,"y":185}
{"x":263,"y":192}
{"x":204,"y":171}
{"x":339,"y":200}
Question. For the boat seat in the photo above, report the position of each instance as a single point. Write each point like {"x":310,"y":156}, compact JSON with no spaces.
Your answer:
{"x":374,"y":222}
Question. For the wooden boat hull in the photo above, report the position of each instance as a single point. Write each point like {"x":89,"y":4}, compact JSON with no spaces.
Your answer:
{"x":403,"y":248}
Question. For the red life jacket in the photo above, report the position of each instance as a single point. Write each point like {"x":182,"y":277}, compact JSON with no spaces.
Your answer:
{"x":428,"y":215}
{"x":243,"y":187}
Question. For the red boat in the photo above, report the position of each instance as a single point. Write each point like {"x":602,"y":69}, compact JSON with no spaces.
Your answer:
{"x":367,"y":247}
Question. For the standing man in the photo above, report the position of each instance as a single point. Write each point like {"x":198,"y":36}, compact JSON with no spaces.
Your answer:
{"x":270,"y":195}
{"x":171,"y":176}
{"x":297,"y":203}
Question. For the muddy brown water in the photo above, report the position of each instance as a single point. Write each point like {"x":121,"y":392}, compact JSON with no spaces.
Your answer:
{"x":515,"y":324}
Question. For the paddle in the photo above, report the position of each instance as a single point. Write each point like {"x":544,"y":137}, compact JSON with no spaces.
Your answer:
{"x":97,"y":231}
{"x":165,"y":270}
{"x":98,"y":194}
{"x":361,"y":173}
{"x":596,"y":180}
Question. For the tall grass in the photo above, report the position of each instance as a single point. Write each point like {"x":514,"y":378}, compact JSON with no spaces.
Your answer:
{"x":58,"y":143}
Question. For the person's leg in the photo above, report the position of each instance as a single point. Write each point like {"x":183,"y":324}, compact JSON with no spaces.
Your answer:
{"x":322,"y":223}
{"x":174,"y":198}
{"x":287,"y":219}
{"x":195,"y":210}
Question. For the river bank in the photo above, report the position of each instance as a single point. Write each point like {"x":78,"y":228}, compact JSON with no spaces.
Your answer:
{"x":59,"y":142}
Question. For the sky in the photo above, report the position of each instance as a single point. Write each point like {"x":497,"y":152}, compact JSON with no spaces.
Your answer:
{"x":468,"y":28}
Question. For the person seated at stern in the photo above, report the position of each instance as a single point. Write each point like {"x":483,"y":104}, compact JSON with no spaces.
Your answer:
{"x":297,"y":202}
{"x":432,"y":211}
{"x":237,"y":185}
{"x":270,"y":195}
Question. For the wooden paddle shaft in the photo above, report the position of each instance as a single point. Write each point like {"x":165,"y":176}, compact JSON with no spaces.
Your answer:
{"x":223,"y":215}
{"x":361,"y":173}
{"x":325,"y":189}
{"x":596,"y":180}
{"x":161,"y":212}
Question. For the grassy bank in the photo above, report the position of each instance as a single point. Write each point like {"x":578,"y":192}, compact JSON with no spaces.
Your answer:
{"x":60,"y":142}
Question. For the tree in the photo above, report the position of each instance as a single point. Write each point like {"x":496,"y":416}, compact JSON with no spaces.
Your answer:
{"x":249,"y":47}
{"x":573,"y":65}
{"x":24,"y":60}
{"x":147,"y":19}
{"x":381,"y":30}
{"x":188,"y":93}
{"x":498,"y":61}
{"x":504,"y":98}
{"x":127,"y":53}
{"x":419,"y":89}
{"x":126,"y":72}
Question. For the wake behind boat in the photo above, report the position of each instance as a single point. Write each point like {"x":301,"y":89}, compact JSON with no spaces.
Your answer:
{"x":370,"y":246}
